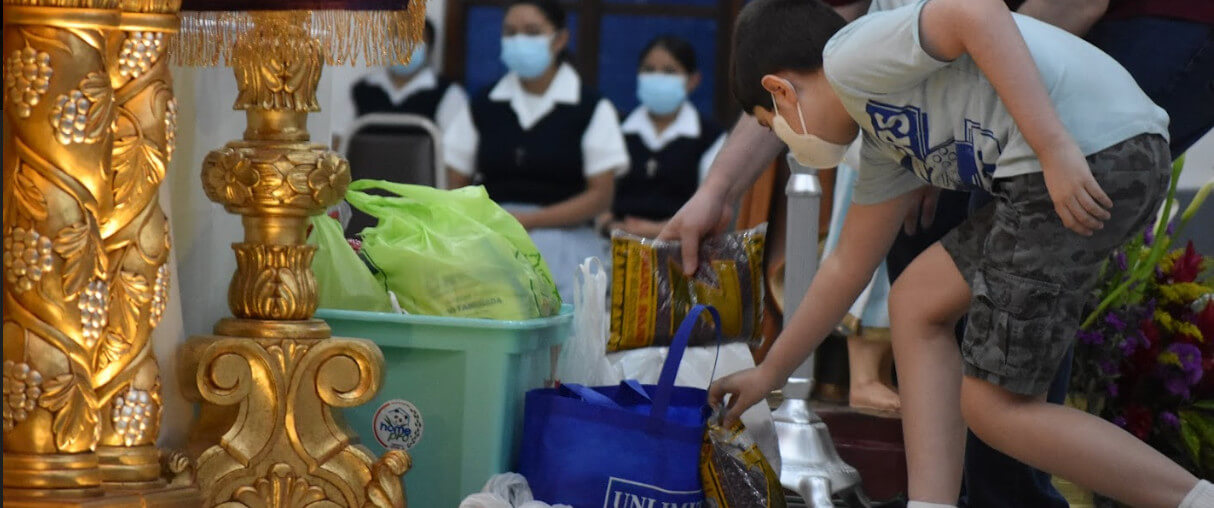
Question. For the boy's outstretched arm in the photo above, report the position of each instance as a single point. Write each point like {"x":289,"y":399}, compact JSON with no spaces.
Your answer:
{"x":868,"y":231}
{"x":984,"y":30}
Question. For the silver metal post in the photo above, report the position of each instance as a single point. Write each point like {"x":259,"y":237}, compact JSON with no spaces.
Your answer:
{"x":810,"y":465}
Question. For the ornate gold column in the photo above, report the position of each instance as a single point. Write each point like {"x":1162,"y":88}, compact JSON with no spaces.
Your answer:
{"x":84,"y":243}
{"x":268,"y":380}
{"x":135,"y":239}
{"x":57,"y":193}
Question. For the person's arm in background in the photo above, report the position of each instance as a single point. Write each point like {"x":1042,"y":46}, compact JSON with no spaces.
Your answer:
{"x":579,"y":209}
{"x":747,"y":151}
{"x":1075,"y":16}
{"x":460,"y":142}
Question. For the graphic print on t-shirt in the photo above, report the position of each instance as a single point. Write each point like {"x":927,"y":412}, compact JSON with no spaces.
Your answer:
{"x":968,"y":163}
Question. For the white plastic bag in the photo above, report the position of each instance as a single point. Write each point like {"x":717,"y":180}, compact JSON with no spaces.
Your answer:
{"x":509,"y":490}
{"x":645,"y":365}
{"x":583,"y":359}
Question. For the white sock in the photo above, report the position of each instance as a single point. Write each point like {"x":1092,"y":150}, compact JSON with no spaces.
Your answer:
{"x":1202,"y":496}
{"x":921,"y":504}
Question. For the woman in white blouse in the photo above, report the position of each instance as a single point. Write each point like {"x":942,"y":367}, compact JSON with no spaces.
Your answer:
{"x":544,"y":146}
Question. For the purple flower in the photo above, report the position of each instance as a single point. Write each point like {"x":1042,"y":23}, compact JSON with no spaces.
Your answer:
{"x":1119,"y":421}
{"x":1119,"y":258}
{"x":1171,"y":228}
{"x":1190,"y":361}
{"x":1113,"y":390}
{"x":1177,"y":386}
{"x":1108,"y":368}
{"x":1169,"y":419}
{"x":1131,"y":342}
{"x":1148,"y":237}
{"x":1090,"y":337}
{"x":1114,"y":321}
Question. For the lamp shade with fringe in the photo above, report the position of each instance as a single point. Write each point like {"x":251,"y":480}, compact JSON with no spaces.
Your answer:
{"x":378,"y":32}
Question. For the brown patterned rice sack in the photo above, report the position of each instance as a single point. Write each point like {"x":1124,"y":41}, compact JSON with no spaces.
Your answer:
{"x":650,"y":296}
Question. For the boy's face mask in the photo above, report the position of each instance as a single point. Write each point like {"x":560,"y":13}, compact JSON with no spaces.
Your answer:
{"x":809,"y":150}
{"x":527,"y":55}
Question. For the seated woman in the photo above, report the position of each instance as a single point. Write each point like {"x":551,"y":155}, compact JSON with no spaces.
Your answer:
{"x":543,"y":145}
{"x":669,"y":143}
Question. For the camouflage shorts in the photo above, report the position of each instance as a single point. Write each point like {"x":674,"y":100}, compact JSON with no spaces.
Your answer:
{"x":1030,"y":277}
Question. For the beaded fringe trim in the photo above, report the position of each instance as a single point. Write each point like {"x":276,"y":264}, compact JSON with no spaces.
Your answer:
{"x":377,"y":37}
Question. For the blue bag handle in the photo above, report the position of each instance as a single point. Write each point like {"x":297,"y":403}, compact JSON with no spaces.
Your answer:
{"x":588,"y":395}
{"x":661,"y":398}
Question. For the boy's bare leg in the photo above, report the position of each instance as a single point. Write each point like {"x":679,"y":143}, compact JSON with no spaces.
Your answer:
{"x":868,"y":388}
{"x":1078,"y":446}
{"x":926,"y":302}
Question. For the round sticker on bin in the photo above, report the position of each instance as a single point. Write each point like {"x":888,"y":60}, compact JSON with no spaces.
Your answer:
{"x":398,"y":425}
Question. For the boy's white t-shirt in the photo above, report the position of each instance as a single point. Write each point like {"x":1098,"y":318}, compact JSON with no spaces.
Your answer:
{"x":944,"y":122}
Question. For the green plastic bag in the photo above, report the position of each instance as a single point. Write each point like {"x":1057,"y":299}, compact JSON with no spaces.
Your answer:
{"x":453,"y":253}
{"x":343,"y":281}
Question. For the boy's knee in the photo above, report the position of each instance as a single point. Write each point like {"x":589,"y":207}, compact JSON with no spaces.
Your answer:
{"x":910,"y":303}
{"x":984,"y":405}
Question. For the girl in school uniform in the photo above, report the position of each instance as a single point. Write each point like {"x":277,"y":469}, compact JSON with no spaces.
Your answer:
{"x":544,"y":146}
{"x":670,"y":144}
{"x":413,"y":88}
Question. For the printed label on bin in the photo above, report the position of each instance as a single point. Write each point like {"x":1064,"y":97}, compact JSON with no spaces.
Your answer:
{"x":623,"y":493}
{"x":398,"y":425}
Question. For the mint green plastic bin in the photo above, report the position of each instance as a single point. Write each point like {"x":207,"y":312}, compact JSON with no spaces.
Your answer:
{"x":468,"y":378}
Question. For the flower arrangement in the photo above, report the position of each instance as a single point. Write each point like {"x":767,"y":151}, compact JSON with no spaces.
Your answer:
{"x":1144,"y":357}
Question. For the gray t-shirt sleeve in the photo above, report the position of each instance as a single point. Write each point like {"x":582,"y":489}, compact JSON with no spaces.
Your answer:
{"x":880,"y":53}
{"x":881,"y":178}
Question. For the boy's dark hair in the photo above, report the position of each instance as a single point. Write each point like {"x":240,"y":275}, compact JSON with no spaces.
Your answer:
{"x":778,"y":35}
{"x":551,"y":9}
{"x":429,"y":33}
{"x":682,"y":51}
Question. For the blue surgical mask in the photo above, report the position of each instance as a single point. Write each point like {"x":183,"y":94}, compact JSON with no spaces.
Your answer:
{"x":416,"y":62}
{"x":661,"y":93}
{"x":527,"y":55}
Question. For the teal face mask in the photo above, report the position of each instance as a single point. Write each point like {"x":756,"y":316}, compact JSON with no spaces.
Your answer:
{"x":527,"y":55}
{"x":416,"y":62}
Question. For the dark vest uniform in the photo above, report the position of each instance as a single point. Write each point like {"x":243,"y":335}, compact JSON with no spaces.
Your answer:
{"x":660,"y":182}
{"x":370,"y":98}
{"x":540,"y":166}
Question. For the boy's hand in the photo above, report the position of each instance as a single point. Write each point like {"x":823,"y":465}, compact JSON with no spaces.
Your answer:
{"x":745,"y":389}
{"x":1078,"y":199}
{"x":705,"y":214}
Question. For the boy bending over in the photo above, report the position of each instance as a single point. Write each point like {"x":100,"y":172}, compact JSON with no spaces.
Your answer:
{"x":962,"y":94}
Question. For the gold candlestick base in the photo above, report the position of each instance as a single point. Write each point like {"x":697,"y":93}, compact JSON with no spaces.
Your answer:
{"x":266,"y":402}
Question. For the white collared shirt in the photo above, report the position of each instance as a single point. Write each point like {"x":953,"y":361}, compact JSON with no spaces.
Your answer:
{"x":686,"y":125}
{"x":603,"y":147}
{"x":452,"y":102}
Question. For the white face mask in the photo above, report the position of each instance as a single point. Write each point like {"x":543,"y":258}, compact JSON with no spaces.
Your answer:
{"x":809,"y":150}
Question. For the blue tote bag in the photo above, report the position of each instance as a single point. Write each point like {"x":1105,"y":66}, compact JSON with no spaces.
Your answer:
{"x":619,"y":446}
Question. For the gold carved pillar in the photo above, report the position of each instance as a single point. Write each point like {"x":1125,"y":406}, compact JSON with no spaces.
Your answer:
{"x":88,"y":117}
{"x":136,"y":242}
{"x":58,"y":106}
{"x":269,"y":379}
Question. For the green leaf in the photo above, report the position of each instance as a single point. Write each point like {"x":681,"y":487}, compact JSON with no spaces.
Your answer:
{"x":1204,"y":404}
{"x":1192,"y":442}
